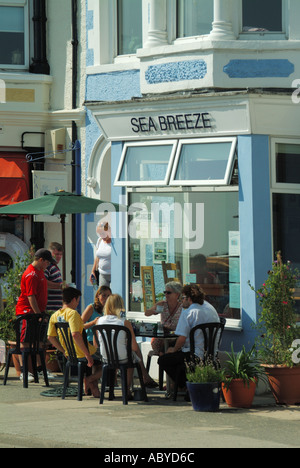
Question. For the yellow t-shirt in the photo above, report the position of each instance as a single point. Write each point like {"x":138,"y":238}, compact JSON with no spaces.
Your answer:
{"x":76,"y":325}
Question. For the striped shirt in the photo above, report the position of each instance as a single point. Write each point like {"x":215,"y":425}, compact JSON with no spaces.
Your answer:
{"x":52,"y":273}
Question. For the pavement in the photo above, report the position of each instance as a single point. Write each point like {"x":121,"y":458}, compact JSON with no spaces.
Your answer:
{"x":30,"y":420}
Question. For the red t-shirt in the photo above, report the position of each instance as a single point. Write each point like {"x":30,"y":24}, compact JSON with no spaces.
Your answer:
{"x":33,"y":283}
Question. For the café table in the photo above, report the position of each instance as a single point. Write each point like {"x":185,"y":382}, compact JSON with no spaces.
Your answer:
{"x":167,"y":336}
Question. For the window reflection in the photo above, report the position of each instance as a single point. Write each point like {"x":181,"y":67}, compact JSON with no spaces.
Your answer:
{"x":200,"y":231}
{"x":262,"y":15}
{"x":194,"y":17}
{"x":129,"y":26}
{"x":12,"y":35}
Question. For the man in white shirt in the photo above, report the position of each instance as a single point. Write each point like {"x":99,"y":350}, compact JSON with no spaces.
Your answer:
{"x":195,"y":312}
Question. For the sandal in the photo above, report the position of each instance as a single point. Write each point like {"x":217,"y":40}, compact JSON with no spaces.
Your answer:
{"x":151,"y":384}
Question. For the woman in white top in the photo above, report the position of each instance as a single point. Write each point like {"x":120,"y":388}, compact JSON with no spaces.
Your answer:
{"x":102,"y":262}
{"x":112,"y":310}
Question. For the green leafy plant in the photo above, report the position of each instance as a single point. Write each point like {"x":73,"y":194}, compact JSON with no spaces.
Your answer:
{"x":203,"y":371}
{"x":277,"y":321}
{"x":243,"y":365}
{"x":11,"y":285}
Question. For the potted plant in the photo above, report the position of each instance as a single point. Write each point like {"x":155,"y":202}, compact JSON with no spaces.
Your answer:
{"x":278,"y":330}
{"x":242,"y":372}
{"x":11,"y":287}
{"x":204,"y":384}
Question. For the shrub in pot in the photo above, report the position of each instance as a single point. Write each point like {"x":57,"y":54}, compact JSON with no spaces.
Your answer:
{"x":204,"y":384}
{"x":242,"y":372}
{"x":278,"y":331}
{"x":11,"y":285}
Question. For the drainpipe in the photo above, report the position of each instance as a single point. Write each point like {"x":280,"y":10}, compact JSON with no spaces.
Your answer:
{"x":76,"y":156}
{"x":40,"y":63}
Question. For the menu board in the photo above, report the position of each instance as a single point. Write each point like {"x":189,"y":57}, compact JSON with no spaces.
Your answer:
{"x":148,"y":286}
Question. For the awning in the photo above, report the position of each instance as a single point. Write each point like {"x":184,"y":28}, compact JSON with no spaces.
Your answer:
{"x":14,"y":178}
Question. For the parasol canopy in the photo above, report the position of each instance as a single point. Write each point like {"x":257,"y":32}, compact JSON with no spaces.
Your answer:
{"x":61,"y":203}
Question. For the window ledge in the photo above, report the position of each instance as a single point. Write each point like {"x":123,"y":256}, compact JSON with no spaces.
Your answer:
{"x":131,"y":64}
{"x":22,"y":77}
{"x":205,"y":43}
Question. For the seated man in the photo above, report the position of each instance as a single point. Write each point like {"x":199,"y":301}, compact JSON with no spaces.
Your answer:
{"x":68,"y":313}
{"x":195,"y":312}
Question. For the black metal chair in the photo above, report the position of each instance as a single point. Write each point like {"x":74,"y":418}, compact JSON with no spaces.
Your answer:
{"x":109,"y":335}
{"x":66,"y":339}
{"x":212,"y":334}
{"x":36,"y":326}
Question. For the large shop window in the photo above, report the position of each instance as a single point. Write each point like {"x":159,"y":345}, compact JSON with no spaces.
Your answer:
{"x":130,"y":34}
{"x":14,"y":33}
{"x":206,"y":161}
{"x":197,"y":230}
{"x":194,"y":17}
{"x":286,"y":202}
{"x":262,"y":16}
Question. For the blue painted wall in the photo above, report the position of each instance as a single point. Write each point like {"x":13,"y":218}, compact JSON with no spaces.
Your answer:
{"x":255,"y":230}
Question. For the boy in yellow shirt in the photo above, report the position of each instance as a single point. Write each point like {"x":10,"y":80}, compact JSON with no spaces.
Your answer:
{"x":68,"y":313}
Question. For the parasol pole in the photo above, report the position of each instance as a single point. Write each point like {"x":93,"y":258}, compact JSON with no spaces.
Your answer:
{"x":63,"y":235}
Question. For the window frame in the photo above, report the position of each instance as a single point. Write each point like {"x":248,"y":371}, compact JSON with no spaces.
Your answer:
{"x":25,"y":5}
{"x":184,"y":38}
{"x":117,"y":29}
{"x":280,"y":186}
{"x":141,"y":144}
{"x":229,"y":169}
{"x":265,"y":35}
{"x":234,"y":325}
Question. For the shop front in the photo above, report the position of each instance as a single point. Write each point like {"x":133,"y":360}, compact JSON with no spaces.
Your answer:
{"x":196,"y":174}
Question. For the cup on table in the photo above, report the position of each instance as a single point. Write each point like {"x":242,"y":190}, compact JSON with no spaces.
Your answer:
{"x":159,"y":309}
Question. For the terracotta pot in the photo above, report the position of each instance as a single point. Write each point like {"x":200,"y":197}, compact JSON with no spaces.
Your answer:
{"x":239,"y":394}
{"x":284,"y":383}
{"x":51,"y":363}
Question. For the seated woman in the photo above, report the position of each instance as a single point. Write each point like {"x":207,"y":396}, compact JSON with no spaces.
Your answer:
{"x":94,"y":311}
{"x":112,"y":311}
{"x":170,"y":313}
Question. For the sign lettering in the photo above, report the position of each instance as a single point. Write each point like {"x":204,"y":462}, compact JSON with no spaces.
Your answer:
{"x":164,"y":123}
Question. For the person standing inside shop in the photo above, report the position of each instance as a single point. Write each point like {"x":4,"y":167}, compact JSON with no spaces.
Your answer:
{"x":102,"y":262}
{"x":54,"y":278}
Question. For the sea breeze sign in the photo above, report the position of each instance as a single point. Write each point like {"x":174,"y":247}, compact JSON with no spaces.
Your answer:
{"x":170,"y":123}
{"x":131,"y":121}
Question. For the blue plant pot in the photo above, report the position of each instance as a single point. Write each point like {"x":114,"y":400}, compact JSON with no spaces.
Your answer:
{"x":204,"y":396}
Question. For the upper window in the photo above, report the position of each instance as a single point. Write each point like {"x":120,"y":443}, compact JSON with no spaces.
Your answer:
{"x":14,"y":34}
{"x":286,"y":164}
{"x":130,"y":32}
{"x":204,"y":162}
{"x":194,"y":17}
{"x":262,"y":16}
{"x":146,"y":164}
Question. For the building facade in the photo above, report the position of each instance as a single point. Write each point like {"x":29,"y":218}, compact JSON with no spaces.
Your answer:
{"x":40,"y":116}
{"x":192,"y":122}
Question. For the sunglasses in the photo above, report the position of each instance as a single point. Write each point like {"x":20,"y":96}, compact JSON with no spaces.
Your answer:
{"x":167,"y":292}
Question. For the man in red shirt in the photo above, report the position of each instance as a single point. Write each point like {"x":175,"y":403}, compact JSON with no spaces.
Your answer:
{"x":34,"y":291}
{"x":34,"y":295}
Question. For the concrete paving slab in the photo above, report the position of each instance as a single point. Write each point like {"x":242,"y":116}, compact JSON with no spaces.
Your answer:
{"x":28,"y":419}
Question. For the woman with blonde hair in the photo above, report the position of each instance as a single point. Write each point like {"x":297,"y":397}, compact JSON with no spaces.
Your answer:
{"x":112,"y":316}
